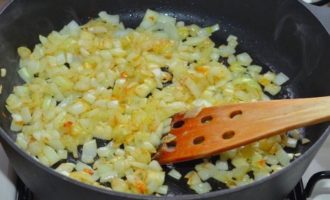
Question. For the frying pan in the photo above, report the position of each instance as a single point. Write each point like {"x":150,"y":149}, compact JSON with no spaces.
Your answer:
{"x":279,"y":34}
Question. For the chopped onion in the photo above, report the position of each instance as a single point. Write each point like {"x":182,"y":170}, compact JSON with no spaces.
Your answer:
{"x":65,"y":168}
{"x":283,"y":157}
{"x":175,"y":174}
{"x":291,"y":142}
{"x":89,"y":151}
{"x":193,"y":178}
{"x":113,"y":19}
{"x":201,"y":188}
{"x":280,"y":79}
{"x":244,"y":59}
{"x":305,"y":141}
{"x":222,"y":165}
{"x":21,"y":141}
{"x":3,"y":72}
{"x":24,"y":74}
{"x":51,"y":155}
{"x":272,"y":89}
{"x":162,"y":189}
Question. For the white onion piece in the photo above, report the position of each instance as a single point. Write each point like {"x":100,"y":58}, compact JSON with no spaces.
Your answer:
{"x":65,"y":168}
{"x":80,"y":166}
{"x":3,"y":72}
{"x":283,"y":157}
{"x":244,"y":59}
{"x":281,"y":78}
{"x":112,"y":19}
{"x":175,"y":174}
{"x":305,"y":140}
{"x":162,"y":189}
{"x":222,"y":165}
{"x":21,"y":141}
{"x":50,"y":155}
{"x":292,"y":143}
{"x":25,"y":74}
{"x":201,"y":188}
{"x":89,"y":151}
{"x":272,"y":89}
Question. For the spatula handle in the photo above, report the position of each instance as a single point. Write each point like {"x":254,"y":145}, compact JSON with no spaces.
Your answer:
{"x":217,"y":129}
{"x":264,"y":119}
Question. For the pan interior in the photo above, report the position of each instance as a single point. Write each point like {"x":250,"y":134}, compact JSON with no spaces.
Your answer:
{"x":291,"y":43}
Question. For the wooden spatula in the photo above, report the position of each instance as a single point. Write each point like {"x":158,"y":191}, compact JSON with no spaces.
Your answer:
{"x":221,"y":128}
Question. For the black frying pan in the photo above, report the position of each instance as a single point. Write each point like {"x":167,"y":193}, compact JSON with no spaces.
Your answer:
{"x":279,"y":34}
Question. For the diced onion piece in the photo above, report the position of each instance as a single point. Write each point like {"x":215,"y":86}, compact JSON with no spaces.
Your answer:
{"x":201,"y":188}
{"x":73,"y":27}
{"x":162,"y":189}
{"x":142,"y":90}
{"x":222,"y":165}
{"x":63,"y":154}
{"x":205,"y":170}
{"x":280,"y":79}
{"x":89,"y":151}
{"x":21,"y":141}
{"x":104,"y":151}
{"x":17,"y":117}
{"x":154,"y":165}
{"x":244,"y":59}
{"x":112,"y":19}
{"x":119,"y":185}
{"x":283,"y":157}
{"x":24,"y":52}
{"x":297,"y":154}
{"x":26,"y":115}
{"x":305,"y":140}
{"x":77,"y":108}
{"x":193,"y":178}
{"x":65,"y":168}
{"x":291,"y":142}
{"x":3,"y":72}
{"x":51,"y":155}
{"x":24,"y":74}
{"x":272,"y":160}
{"x":175,"y":174}
{"x":240,"y":162}
{"x":80,"y":166}
{"x":232,"y":41}
{"x":226,"y":51}
{"x":254,"y":69}
{"x":272,"y":89}
{"x":295,"y":134}
{"x":276,"y":168}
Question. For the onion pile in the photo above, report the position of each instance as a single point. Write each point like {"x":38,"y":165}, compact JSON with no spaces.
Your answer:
{"x":104,"y":82}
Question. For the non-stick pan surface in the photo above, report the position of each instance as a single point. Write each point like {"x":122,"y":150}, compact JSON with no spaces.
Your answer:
{"x":281,"y":35}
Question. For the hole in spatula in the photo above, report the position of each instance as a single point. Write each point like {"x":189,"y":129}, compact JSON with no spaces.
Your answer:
{"x":228,"y":135}
{"x":235,"y":114}
{"x":199,"y":140}
{"x":178,"y":124}
{"x":206,"y":119}
{"x":170,"y":146}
